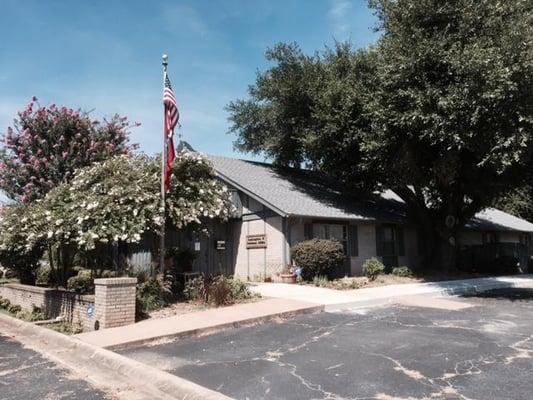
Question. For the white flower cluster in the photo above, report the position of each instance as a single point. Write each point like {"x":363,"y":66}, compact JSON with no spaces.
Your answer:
{"x":117,"y":200}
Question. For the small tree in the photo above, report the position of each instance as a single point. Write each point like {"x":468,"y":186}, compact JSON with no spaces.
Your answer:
{"x":318,"y":256}
{"x":48,"y":144}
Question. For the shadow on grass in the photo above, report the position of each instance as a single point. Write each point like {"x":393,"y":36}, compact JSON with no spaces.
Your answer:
{"x":512,"y":294}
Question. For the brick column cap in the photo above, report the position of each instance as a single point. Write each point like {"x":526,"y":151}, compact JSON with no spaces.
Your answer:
{"x":115,"y":281}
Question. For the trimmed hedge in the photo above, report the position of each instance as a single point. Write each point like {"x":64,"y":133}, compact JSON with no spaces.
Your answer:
{"x":318,"y":257}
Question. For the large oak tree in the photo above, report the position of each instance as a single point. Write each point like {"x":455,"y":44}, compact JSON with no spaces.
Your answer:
{"x":440,"y":110}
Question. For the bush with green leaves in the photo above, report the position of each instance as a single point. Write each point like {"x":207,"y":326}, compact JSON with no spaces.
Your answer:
{"x":43,"y":275}
{"x":81,"y":283}
{"x":239,"y":289}
{"x":153,"y":293}
{"x":218,"y":290}
{"x":4,"y":303}
{"x":31,"y":316}
{"x":403,"y":272}
{"x":13,"y":308}
{"x":318,"y":257}
{"x":372,"y":268}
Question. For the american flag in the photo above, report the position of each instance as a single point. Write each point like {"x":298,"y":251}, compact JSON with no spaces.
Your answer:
{"x":172,"y":116}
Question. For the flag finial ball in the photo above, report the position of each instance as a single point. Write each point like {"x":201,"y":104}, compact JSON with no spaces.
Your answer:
{"x":165,"y":59}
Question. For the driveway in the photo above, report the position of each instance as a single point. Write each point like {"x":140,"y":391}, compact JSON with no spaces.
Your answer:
{"x":25,"y":375}
{"x":465,"y":348}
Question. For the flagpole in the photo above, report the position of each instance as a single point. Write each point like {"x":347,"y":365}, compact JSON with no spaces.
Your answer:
{"x":163,"y":154}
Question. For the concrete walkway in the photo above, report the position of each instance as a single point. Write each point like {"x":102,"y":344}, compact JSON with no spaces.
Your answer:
{"x":200,"y":322}
{"x":333,"y":300}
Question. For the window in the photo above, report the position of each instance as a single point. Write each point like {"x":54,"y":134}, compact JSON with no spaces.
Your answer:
{"x":525,"y":239}
{"x":389,"y":240}
{"x":336,"y":232}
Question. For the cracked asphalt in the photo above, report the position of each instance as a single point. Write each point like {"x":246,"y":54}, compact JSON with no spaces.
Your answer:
{"x":483,"y":352}
{"x":26,"y":375}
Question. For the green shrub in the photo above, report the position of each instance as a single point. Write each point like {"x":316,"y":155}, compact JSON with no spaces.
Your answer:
{"x":318,"y":257}
{"x":43,"y":275}
{"x":1,"y":273}
{"x":4,"y":303}
{"x":66,"y":328}
{"x":108,"y":273}
{"x":14,"y":308}
{"x":404,"y":272}
{"x":239,"y":289}
{"x":152,"y":294}
{"x":34,"y":315}
{"x":194,"y":289}
{"x":372,"y":268}
{"x":218,"y":290}
{"x":82,"y":283}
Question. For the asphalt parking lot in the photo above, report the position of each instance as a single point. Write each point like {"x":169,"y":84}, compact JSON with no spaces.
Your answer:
{"x":26,"y":375}
{"x":481,"y":352}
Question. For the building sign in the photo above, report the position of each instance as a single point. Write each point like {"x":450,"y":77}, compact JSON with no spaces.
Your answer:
{"x":220,"y":245}
{"x":89,"y":311}
{"x":256,"y":242}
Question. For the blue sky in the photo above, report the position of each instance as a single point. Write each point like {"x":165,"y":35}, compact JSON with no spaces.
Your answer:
{"x":106,"y":56}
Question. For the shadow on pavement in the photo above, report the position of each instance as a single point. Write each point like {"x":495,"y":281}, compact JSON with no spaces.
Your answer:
{"x":512,"y":294}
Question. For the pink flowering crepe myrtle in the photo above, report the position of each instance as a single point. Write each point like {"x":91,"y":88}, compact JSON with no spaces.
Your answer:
{"x":47,"y":144}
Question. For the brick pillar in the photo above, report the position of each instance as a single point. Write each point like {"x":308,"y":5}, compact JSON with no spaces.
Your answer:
{"x":114,"y":302}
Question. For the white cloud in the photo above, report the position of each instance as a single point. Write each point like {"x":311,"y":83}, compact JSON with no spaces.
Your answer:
{"x":339,"y":16}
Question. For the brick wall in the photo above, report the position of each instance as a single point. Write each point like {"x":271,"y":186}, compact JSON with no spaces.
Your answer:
{"x":113,"y":303}
{"x":53,"y":302}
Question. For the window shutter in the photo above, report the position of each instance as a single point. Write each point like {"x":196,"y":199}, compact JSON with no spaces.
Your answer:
{"x":401,"y":245}
{"x":379,"y":240}
{"x":353,"y":240}
{"x":308,"y":231}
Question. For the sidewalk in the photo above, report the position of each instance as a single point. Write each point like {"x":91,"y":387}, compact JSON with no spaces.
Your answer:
{"x":334,"y":300}
{"x":200,"y":322}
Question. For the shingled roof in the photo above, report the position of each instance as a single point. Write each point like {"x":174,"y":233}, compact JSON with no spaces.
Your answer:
{"x":304,"y":193}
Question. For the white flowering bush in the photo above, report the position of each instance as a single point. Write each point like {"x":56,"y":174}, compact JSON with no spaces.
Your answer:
{"x":116,"y":200}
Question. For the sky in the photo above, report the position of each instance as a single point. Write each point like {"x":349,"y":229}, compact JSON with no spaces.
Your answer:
{"x":105,"y":56}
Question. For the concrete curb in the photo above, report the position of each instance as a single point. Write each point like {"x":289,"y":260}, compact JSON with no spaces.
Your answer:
{"x":127,"y":378}
{"x":435,"y":289}
{"x":215,"y":328}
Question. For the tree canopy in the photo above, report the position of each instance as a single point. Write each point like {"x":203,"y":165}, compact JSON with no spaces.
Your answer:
{"x":440,"y":110}
{"x":47,"y":144}
{"x":116,"y":200}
